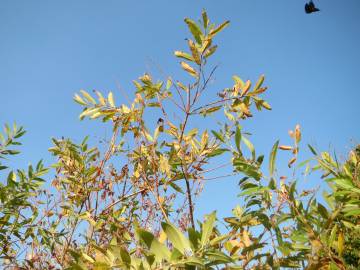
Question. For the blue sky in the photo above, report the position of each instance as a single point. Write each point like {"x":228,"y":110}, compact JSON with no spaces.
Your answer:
{"x":51,"y":49}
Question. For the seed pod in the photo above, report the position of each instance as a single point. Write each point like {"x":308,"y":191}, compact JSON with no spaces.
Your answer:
{"x":297,"y":133}
{"x":285,"y":147}
{"x":291,"y":161}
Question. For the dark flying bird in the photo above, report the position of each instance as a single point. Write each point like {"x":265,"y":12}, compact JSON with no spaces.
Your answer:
{"x":160,"y":123}
{"x":310,"y":7}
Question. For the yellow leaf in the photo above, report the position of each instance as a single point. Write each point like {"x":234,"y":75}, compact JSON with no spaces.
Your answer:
{"x":210,"y":51}
{"x":189,"y":69}
{"x":182,"y":86}
{"x":266,"y":105}
{"x":245,"y":110}
{"x":204,"y":139}
{"x":102,"y":100}
{"x":206,"y":44}
{"x":88,"y":112}
{"x":259,"y":82}
{"x":111,"y":99}
{"x":136,"y":174}
{"x":259,"y":91}
{"x":194,"y":51}
{"x":229,"y":116}
{"x":168,"y":83}
{"x":125,"y":109}
{"x":164,"y":166}
{"x":184,"y":55}
{"x":87,"y":257}
{"x":79,"y":100}
{"x":162,"y":236}
{"x":148,"y":136}
{"x":246,"y":238}
{"x":341,"y":242}
{"x":88,"y":97}
{"x":96,"y":115}
{"x":246,"y":88}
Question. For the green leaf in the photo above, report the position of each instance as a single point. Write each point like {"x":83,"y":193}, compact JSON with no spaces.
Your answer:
{"x":219,"y":28}
{"x":168,"y":84}
{"x":210,"y":110}
{"x":194,"y":29}
{"x":160,"y":251}
{"x":250,"y":146}
{"x":125,"y":256}
{"x":207,"y":228}
{"x":192,"y":261}
{"x":354,"y":212}
{"x":322,"y":210}
{"x":218,"y":257}
{"x":238,"y":138}
{"x":218,"y":136}
{"x":194,"y":238}
{"x":312,"y":150}
{"x":175,"y":255}
{"x":217,"y":152}
{"x":210,"y":51}
{"x":250,"y":191}
{"x":273,"y":158}
{"x":219,"y":239}
{"x":205,"y":19}
{"x":11,"y":179}
{"x":332,"y":235}
{"x":176,"y":187}
{"x":259,"y":83}
{"x":343,"y":183}
{"x":278,"y":236}
{"x":250,"y":170}
{"x":176,"y":237}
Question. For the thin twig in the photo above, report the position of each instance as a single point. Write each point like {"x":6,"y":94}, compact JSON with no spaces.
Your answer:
{"x":219,"y":177}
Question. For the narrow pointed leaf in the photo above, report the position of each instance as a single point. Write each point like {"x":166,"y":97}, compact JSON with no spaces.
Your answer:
{"x":207,"y":228}
{"x":184,"y":55}
{"x":194,"y":29}
{"x":176,"y":237}
{"x":238,"y":138}
{"x":273,"y":158}
{"x":88,"y":97}
{"x":219,"y":28}
{"x":111,"y":99}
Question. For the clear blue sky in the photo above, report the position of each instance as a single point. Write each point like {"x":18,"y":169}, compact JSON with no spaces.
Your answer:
{"x":51,"y":49}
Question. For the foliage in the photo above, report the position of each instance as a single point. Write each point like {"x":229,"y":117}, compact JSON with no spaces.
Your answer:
{"x":18,"y":212}
{"x":130,"y":203}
